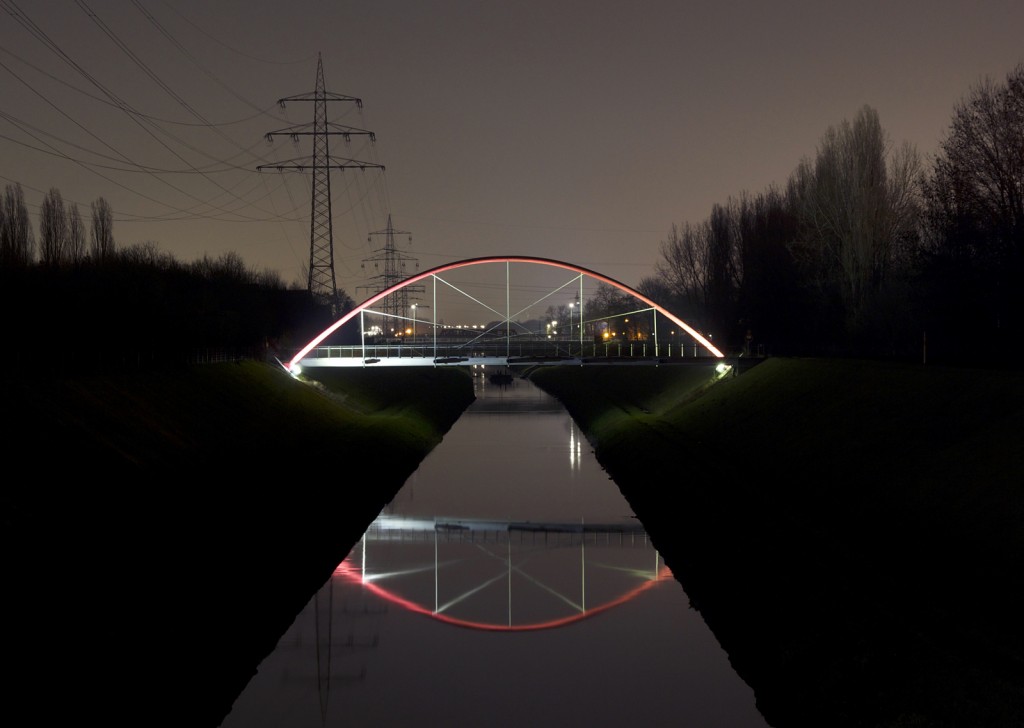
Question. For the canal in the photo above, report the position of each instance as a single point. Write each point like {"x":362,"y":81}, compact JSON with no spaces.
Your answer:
{"x":507,"y":583}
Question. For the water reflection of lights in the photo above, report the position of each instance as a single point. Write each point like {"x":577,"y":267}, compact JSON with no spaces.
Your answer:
{"x":482,"y":560}
{"x":575,"y":447}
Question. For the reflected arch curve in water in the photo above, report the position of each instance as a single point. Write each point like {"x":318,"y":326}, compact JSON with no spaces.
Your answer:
{"x":352,"y":574}
{"x":293,"y":363}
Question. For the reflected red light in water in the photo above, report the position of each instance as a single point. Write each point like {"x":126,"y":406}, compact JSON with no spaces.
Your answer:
{"x":352,"y":574}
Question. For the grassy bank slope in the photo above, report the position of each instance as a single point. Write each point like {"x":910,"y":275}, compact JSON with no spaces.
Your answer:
{"x":852,"y":532}
{"x":162,"y":529}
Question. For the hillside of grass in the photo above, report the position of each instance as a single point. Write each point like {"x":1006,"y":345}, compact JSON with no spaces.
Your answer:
{"x":168,"y":525}
{"x":852,"y":532}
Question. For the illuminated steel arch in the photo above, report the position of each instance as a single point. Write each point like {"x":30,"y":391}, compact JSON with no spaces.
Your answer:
{"x":434,"y":272}
{"x":352,"y":573}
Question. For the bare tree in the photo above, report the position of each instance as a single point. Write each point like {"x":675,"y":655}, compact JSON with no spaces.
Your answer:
{"x":147,"y":253}
{"x":905,"y":206}
{"x":656,"y":289}
{"x":724,"y":264}
{"x":608,"y":309}
{"x":53,"y":229}
{"x":76,"y":236}
{"x":269,"y":278}
{"x":16,"y":240}
{"x":769,"y":295}
{"x":974,"y":211}
{"x":700,"y":266}
{"x":684,"y":263}
{"x":977,"y":185}
{"x":102,"y":230}
{"x":855,"y":206}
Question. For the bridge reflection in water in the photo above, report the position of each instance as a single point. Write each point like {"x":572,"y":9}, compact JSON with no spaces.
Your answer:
{"x":536,"y":598}
{"x":497,"y":575}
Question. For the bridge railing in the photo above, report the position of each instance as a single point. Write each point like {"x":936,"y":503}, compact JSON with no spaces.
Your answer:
{"x":410,"y":348}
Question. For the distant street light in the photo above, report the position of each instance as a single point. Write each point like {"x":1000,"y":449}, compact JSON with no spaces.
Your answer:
{"x":413,"y":322}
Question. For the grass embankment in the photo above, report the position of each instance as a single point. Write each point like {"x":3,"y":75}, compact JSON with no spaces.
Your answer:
{"x":163,"y":528}
{"x":852,"y":532}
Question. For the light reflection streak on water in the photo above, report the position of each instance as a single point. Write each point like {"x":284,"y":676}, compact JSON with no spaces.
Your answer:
{"x":575,"y":448}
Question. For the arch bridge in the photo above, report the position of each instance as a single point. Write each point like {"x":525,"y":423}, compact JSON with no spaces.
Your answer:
{"x":487,"y":311}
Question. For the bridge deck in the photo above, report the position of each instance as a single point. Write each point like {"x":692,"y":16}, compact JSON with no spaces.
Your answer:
{"x":499,"y":355}
{"x":413,"y":530}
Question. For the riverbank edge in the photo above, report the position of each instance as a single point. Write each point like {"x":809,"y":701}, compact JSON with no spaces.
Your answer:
{"x":163,"y":529}
{"x":852,"y":532}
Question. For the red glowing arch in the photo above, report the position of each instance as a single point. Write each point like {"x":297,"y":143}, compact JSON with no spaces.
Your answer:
{"x":500,"y":259}
{"x":352,"y":574}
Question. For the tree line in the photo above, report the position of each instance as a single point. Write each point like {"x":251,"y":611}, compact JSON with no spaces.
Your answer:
{"x":866,"y":250}
{"x":86,"y":303}
{"x":62,"y":233}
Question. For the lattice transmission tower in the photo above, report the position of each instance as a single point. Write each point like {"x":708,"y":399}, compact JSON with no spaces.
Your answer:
{"x":395,"y":266}
{"x":321,"y":280}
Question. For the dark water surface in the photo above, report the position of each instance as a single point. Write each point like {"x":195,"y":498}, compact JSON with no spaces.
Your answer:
{"x":508,"y":583}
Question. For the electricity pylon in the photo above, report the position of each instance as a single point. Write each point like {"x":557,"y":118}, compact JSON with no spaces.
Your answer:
{"x":395,"y":306}
{"x":321,"y":281}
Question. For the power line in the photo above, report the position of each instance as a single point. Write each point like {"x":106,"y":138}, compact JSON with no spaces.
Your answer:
{"x":26,"y":22}
{"x":321,"y":279}
{"x":394,"y":263}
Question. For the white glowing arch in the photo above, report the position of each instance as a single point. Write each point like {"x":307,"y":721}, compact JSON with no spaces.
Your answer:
{"x":499,"y":259}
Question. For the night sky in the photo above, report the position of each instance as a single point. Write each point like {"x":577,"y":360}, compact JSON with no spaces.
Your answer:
{"x":577,"y":131}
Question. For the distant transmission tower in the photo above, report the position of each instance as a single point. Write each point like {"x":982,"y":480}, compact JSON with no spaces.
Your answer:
{"x":321,"y":282}
{"x":395,"y":271}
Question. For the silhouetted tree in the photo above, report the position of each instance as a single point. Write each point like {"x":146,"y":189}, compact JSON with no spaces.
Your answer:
{"x":53,"y":229}
{"x":228,"y":268}
{"x":269,"y":278}
{"x":76,"y":235}
{"x":857,"y":206}
{"x":147,"y":253}
{"x":607,"y":309}
{"x":770,"y":301}
{"x":16,"y":239}
{"x":101,"y":231}
{"x":979,"y":173}
{"x":658,"y":290}
{"x":974,"y":221}
{"x":724,"y":267}
{"x":700,"y":267}
{"x":684,"y":265}
{"x":557,"y":315}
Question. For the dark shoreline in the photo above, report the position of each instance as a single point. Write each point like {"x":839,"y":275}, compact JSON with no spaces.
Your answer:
{"x":879,"y":590}
{"x":168,"y":526}
{"x":161,"y":533}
